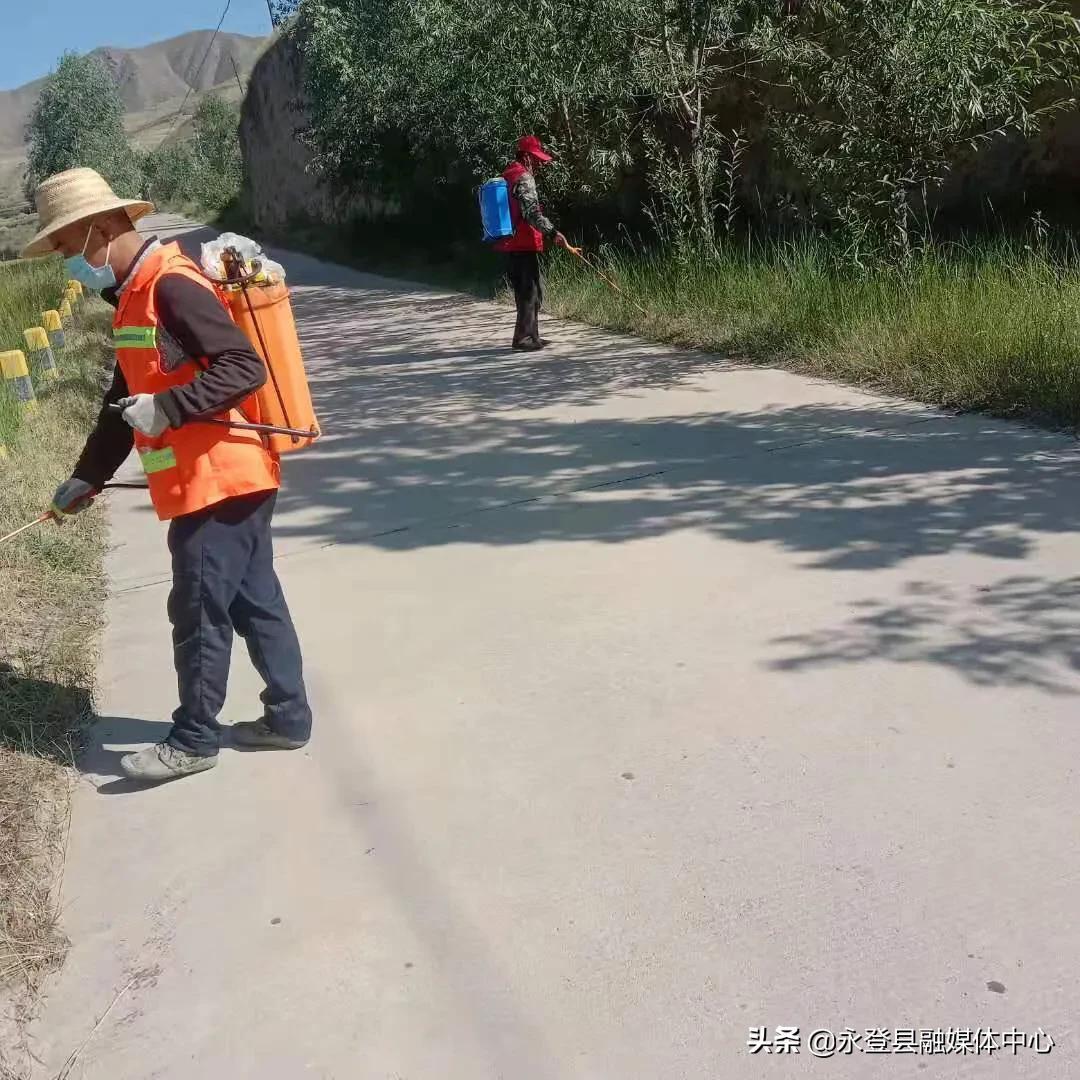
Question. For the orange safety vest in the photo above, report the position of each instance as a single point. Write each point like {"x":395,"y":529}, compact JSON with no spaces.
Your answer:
{"x":197,"y":465}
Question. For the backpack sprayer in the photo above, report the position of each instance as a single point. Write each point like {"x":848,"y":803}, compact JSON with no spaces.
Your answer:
{"x":253,"y":291}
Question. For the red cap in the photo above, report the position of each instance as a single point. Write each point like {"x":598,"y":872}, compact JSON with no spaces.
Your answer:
{"x":530,"y":144}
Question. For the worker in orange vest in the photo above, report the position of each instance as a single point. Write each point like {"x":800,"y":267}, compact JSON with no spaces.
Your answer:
{"x":180,"y":359}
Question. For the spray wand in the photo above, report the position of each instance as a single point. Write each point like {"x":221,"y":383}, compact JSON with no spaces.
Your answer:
{"x":52,"y":515}
{"x":48,"y":515}
{"x":270,"y":429}
{"x":603,"y":277}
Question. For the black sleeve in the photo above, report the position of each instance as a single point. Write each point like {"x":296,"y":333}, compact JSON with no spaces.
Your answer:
{"x":109,"y":443}
{"x":194,"y":318}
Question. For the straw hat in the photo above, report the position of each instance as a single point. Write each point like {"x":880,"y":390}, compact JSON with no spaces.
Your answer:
{"x":72,"y":196}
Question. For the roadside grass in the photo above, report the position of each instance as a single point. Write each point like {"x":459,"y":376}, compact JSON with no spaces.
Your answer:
{"x":993,"y":326}
{"x":51,"y":604}
{"x":15,"y":231}
{"x":990,"y":324}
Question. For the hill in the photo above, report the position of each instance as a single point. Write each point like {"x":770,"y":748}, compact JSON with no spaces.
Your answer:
{"x":153,"y":81}
{"x":150,"y":77}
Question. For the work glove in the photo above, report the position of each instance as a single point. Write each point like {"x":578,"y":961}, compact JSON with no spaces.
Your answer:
{"x":72,"y":497}
{"x":144,"y":414}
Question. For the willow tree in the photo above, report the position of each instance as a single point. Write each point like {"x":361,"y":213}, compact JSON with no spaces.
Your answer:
{"x":615,"y":83}
{"x":455,"y":80}
{"x":79,"y":120}
{"x":871,"y":100}
{"x":891,"y":92}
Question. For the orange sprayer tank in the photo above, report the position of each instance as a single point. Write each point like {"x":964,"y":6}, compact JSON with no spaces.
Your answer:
{"x":265,"y":315}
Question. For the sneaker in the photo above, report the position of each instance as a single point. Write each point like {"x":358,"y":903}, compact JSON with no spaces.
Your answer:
{"x":164,"y":762}
{"x":258,"y":735}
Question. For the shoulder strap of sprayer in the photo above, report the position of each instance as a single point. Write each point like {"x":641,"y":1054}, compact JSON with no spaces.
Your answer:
{"x":204,"y":365}
{"x":158,"y":261}
{"x":243,"y":280}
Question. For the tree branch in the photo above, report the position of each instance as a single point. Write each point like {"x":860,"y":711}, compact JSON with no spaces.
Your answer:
{"x":687,"y":110}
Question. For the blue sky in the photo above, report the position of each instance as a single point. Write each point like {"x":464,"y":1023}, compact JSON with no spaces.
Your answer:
{"x":34,"y":33}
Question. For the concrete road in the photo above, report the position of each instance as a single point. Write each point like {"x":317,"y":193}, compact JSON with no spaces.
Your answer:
{"x":657,"y":699}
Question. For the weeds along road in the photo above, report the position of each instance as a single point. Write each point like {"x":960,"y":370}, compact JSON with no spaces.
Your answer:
{"x":656,"y":699}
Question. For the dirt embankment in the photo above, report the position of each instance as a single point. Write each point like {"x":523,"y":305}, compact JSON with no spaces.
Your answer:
{"x":281,"y":183}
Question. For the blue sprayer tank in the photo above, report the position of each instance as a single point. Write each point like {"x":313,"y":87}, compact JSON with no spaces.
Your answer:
{"x":495,"y":210}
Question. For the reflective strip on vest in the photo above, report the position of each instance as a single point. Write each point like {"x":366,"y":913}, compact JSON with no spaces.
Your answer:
{"x":155,"y":461}
{"x":197,"y":465}
{"x":135,"y":337}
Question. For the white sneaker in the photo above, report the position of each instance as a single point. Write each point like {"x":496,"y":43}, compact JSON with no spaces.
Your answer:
{"x":164,"y":762}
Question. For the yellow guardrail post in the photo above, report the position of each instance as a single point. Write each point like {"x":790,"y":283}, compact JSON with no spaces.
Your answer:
{"x":75,"y":287}
{"x":55,"y":328}
{"x":40,"y":353}
{"x":65,"y":312}
{"x":17,"y":379}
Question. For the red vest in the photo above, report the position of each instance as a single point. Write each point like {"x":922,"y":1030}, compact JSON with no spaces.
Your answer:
{"x":525,"y":237}
{"x":195,"y":466}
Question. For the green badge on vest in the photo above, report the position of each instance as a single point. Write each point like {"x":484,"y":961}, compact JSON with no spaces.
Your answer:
{"x":155,"y":461}
{"x":135,"y":337}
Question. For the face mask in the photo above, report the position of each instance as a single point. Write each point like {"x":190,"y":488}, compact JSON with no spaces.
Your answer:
{"x":93,"y":277}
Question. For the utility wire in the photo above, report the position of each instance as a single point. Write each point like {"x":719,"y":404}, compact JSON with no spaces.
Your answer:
{"x":202,"y":64}
{"x":236,"y":72}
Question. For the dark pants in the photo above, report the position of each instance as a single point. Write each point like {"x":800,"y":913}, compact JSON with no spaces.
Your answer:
{"x":224,"y":580}
{"x":523,"y":270}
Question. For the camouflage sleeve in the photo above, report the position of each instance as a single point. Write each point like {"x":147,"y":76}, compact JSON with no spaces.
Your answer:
{"x":529,"y":201}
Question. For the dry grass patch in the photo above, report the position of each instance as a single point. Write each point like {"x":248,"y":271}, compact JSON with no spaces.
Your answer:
{"x":51,"y":604}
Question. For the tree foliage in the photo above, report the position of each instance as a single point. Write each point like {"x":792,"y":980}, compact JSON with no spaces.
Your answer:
{"x":282,"y":10}
{"x":890,"y":91}
{"x":617,"y":85}
{"x":205,"y":169}
{"x":79,"y":121}
{"x":869,"y":101}
{"x":216,"y":150}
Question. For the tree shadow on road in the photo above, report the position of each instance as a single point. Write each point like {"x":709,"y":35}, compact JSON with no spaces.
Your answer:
{"x":434,"y":437}
{"x":1019,"y":631}
{"x":814,"y":481}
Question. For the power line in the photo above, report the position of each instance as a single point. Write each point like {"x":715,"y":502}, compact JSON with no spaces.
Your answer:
{"x":236,"y":72}
{"x":202,"y":64}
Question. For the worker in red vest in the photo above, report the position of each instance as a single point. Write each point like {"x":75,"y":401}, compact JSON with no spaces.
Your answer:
{"x":180,"y":359}
{"x":524,"y":247}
